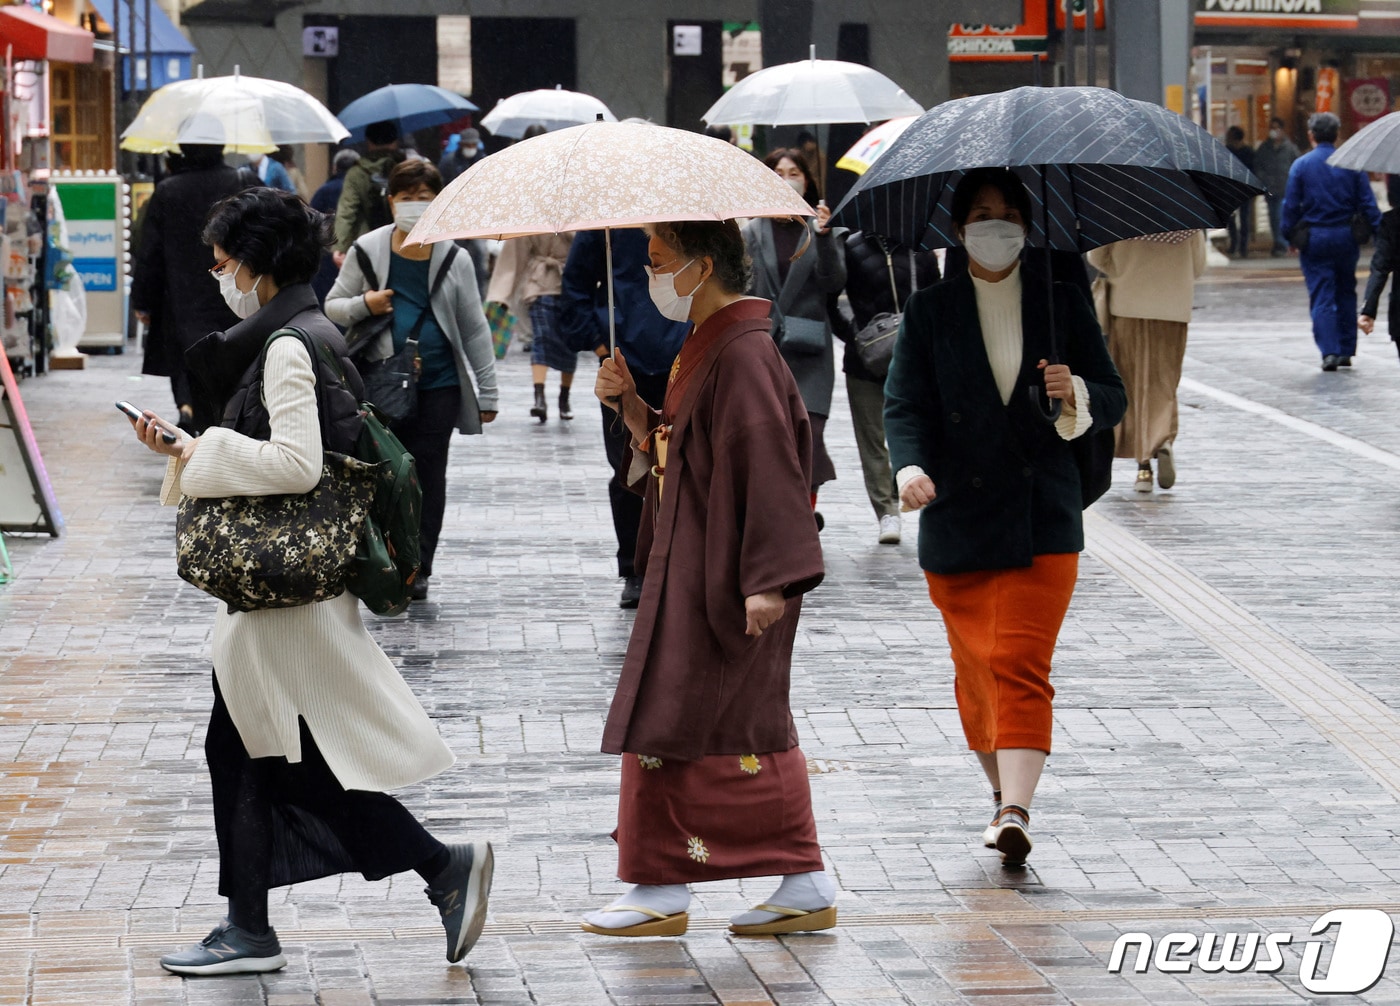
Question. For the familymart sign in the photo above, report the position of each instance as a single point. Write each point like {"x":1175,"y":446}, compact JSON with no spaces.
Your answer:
{"x":1325,"y":15}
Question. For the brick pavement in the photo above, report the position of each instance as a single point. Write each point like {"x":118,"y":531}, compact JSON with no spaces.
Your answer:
{"x":1199,"y":785}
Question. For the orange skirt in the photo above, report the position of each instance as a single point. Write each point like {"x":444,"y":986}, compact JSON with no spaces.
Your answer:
{"x":1002,"y":626}
{"x":719,"y":818}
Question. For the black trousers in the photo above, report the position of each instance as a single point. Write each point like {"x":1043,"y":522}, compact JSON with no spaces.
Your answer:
{"x":627,"y":505}
{"x":427,"y":436}
{"x":279,"y":823}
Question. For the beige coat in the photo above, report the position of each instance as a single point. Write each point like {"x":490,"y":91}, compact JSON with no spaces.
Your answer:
{"x":1151,"y":279}
{"x":315,"y":661}
{"x":529,"y":268}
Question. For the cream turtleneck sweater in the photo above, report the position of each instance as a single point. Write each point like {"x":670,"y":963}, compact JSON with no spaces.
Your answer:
{"x":999,"y":311}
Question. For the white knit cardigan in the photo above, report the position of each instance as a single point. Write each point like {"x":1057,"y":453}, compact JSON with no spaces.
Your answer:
{"x":315,"y":661}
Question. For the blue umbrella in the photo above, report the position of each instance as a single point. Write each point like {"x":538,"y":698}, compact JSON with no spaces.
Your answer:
{"x":412,"y":106}
{"x":1099,"y":167}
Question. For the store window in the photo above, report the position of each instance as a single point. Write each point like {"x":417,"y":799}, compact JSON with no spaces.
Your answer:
{"x":80,"y":99}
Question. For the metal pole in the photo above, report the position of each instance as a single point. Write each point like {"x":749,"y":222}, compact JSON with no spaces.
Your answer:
{"x":117,"y":51}
{"x":1035,"y":70}
{"x":1091,"y":71}
{"x":612,"y":315}
{"x":150,"y":70}
{"x":1071,"y":71}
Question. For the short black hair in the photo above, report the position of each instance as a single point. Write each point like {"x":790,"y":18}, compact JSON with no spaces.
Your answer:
{"x":534,"y":129}
{"x":719,"y":132}
{"x":1276,"y":121}
{"x":1324,"y":127}
{"x":408,"y":175}
{"x":381,"y":134}
{"x":270,"y":231}
{"x":1004,"y":180}
{"x":720,"y":241}
{"x":1234,"y":133}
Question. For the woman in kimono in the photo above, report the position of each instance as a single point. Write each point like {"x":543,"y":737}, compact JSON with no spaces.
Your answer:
{"x":997,"y":481}
{"x":714,"y":786}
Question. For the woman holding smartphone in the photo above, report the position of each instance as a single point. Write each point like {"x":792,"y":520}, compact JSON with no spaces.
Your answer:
{"x":311,"y":725}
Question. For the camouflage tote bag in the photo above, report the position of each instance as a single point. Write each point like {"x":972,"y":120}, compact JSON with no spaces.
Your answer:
{"x":256,"y":552}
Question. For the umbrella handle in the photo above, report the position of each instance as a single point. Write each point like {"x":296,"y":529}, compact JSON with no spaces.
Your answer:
{"x":1051,"y":413}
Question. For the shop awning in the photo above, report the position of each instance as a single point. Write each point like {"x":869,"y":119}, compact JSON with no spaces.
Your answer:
{"x":165,"y":37}
{"x":36,"y":35}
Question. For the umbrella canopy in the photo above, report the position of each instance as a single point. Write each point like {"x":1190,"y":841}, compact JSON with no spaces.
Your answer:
{"x":412,"y":106}
{"x":1100,"y":168}
{"x":812,"y":92}
{"x":1375,"y":147}
{"x":874,"y":143}
{"x":556,"y":109}
{"x":245,"y":114}
{"x":605,"y":174}
{"x":32,"y":34}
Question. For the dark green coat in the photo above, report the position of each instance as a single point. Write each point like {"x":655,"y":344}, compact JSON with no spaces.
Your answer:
{"x":1007,"y":483}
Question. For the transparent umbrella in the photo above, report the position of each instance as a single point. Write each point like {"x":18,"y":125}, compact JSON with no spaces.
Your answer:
{"x":244,"y":114}
{"x":1375,"y":147}
{"x":812,"y":92}
{"x":553,"y":109}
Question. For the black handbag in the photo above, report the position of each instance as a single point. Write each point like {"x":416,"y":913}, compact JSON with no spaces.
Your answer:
{"x":391,"y":383}
{"x":257,"y":552}
{"x":875,"y":342}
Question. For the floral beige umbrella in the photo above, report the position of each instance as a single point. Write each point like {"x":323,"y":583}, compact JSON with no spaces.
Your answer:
{"x":604,"y":175}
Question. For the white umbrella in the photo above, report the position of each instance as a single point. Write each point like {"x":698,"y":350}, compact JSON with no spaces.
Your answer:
{"x":874,"y":143}
{"x":603,"y":175}
{"x":554,"y":109}
{"x":1375,"y":147}
{"x":244,"y":114}
{"x":812,"y":92}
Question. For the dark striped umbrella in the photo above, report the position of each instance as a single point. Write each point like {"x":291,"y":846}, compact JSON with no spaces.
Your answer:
{"x":1099,"y":167}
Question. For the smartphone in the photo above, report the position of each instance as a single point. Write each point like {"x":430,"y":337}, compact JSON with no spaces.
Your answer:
{"x":135,"y":413}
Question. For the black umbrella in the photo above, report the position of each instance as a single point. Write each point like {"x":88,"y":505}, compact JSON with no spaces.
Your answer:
{"x":1099,"y":167}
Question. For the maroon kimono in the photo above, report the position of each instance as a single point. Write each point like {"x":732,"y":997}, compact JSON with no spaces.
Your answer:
{"x":713,"y":784}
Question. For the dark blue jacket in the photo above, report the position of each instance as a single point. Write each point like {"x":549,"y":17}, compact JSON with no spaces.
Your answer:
{"x":1320,"y":195}
{"x":327,"y":197}
{"x":648,"y":341}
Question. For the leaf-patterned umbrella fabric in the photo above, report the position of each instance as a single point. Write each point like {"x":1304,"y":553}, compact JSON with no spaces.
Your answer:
{"x":605,"y":174}
{"x":1099,"y":168}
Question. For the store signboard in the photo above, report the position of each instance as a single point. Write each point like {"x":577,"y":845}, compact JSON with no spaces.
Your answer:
{"x":90,"y":209}
{"x":1367,"y":99}
{"x":993,"y":43}
{"x":1315,"y":15}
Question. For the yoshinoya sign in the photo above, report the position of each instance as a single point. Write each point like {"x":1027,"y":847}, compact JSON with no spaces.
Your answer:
{"x":1338,"y":15}
{"x":1001,"y":42}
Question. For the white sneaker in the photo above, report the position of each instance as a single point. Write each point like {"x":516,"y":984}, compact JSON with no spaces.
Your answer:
{"x":889,"y":529}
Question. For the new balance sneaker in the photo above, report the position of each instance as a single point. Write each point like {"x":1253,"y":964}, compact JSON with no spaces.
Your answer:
{"x":889,"y":529}
{"x":459,"y":892}
{"x":228,"y":950}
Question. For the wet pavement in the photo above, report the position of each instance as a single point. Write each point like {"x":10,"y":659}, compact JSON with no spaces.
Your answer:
{"x":1227,"y":724}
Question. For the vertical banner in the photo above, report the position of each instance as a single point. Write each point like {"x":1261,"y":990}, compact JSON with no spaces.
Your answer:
{"x":1328,"y":81}
{"x":95,"y":209}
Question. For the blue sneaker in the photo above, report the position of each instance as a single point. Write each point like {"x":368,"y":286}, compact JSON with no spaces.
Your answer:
{"x":228,"y":950}
{"x":460,"y":892}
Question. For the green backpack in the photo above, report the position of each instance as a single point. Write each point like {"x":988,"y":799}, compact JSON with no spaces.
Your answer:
{"x":388,"y":557}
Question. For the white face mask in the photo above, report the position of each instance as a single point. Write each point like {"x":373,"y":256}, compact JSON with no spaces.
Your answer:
{"x":662,"y":287}
{"x":406,"y":214}
{"x":799,"y":185}
{"x":994,"y":244}
{"x":1276,"y":134}
{"x":243,"y":303}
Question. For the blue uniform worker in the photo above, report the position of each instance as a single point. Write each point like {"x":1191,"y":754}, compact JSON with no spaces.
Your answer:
{"x":1318,"y":206}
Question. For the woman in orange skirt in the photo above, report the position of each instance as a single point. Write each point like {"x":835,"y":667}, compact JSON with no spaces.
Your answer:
{"x":1001,"y":528}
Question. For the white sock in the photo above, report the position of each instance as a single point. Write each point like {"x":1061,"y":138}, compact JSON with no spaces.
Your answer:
{"x":809,"y":892}
{"x":668,"y":899}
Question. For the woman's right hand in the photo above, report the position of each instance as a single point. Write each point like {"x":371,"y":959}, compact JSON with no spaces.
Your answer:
{"x":918,"y":494}
{"x":380,"y":302}
{"x":1366,"y":323}
{"x":614,"y":385}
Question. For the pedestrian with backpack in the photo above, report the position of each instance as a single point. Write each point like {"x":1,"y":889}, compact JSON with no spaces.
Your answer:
{"x":312,"y":724}
{"x":364,"y":198}
{"x":414,"y":315}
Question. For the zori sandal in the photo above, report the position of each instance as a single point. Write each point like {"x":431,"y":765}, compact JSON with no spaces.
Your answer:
{"x":664,"y":925}
{"x":795,"y":920}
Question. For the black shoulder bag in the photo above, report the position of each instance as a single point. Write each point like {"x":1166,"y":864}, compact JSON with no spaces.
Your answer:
{"x":391,"y":384}
{"x":875,"y":342}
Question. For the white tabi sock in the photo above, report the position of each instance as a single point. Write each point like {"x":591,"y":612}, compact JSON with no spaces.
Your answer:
{"x":808,"y":892}
{"x":668,"y":899}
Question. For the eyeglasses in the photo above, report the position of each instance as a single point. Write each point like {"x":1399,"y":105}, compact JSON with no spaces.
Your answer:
{"x":218,"y":269}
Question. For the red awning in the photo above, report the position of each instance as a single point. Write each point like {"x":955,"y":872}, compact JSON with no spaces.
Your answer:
{"x":36,"y":35}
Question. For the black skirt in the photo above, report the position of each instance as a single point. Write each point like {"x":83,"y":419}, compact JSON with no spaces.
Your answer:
{"x":280,"y":823}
